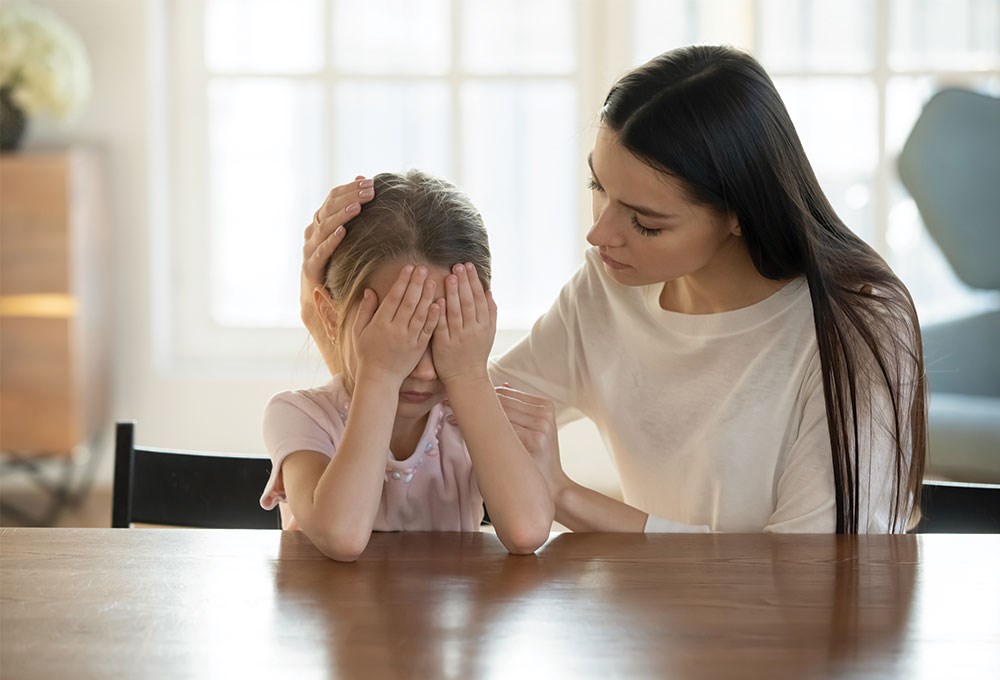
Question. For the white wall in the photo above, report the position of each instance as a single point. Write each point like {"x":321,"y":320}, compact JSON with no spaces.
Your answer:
{"x":179,"y":410}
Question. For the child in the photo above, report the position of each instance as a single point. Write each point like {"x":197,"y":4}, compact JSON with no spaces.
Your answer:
{"x":406,"y":304}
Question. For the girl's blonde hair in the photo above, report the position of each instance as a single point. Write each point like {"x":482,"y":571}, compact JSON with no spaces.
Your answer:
{"x":413,"y":217}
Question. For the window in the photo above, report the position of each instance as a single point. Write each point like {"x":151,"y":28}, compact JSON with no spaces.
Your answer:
{"x":279,"y":101}
{"x":274,"y":102}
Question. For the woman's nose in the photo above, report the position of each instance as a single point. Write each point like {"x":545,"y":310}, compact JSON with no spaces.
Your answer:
{"x":603,"y":232}
{"x":424,"y":370}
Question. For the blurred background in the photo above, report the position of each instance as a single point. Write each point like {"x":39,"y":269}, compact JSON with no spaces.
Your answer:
{"x":213,"y":129}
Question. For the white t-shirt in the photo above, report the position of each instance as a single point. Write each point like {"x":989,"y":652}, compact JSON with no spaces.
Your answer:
{"x":715,"y":422}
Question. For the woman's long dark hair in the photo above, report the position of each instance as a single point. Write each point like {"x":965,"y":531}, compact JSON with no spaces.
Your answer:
{"x":711,"y":118}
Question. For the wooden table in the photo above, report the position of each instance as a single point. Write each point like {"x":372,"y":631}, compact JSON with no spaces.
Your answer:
{"x":176,"y":603}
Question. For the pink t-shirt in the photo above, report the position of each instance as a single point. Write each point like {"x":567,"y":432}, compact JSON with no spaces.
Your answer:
{"x":432,"y":489}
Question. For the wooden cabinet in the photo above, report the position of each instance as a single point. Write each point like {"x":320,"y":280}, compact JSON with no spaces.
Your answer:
{"x":55,"y":285}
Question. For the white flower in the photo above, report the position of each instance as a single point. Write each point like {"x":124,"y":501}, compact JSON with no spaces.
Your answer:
{"x":42,"y":61}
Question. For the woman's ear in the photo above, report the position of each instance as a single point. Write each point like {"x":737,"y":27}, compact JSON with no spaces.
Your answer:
{"x":327,"y":312}
{"x":734,"y":226}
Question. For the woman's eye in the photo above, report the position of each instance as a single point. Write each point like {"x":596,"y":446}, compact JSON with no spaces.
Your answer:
{"x":643,"y":230}
{"x":593,"y":185}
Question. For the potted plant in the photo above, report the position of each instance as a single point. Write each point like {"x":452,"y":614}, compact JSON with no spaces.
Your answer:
{"x":43,"y":69}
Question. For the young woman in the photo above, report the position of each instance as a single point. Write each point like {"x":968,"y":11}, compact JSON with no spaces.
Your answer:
{"x":405,"y":303}
{"x":751,"y":364}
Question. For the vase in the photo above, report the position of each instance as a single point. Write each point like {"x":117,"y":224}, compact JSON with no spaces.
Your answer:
{"x":12,"y":121}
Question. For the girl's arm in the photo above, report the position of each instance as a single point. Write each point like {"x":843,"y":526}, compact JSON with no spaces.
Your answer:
{"x":336,"y":500}
{"x":322,"y":237}
{"x":512,"y":485}
{"x":576,"y":507}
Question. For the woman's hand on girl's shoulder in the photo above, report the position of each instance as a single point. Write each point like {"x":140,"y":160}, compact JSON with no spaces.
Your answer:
{"x":465,"y":331}
{"x":322,"y":237}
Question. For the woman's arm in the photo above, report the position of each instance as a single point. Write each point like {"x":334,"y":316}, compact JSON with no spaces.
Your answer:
{"x":512,"y":486}
{"x":336,"y":502}
{"x":577,"y":507}
{"x":322,"y":237}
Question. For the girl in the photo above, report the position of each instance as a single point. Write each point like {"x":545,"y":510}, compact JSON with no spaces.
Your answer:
{"x":772,"y":375}
{"x":406,"y":305}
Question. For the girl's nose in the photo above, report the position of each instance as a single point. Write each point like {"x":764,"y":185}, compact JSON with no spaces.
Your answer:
{"x":424,"y":370}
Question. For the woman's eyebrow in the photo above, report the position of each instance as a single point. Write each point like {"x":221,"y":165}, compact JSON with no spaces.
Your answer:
{"x":642,"y":210}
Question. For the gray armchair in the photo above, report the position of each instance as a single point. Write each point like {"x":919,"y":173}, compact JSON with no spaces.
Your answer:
{"x":950,"y":164}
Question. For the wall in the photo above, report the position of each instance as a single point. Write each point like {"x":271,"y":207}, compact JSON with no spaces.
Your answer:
{"x":125,"y":119}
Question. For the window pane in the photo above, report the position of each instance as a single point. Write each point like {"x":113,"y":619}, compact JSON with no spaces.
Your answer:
{"x":519,"y":151}
{"x":266,"y":140}
{"x":945,"y":34}
{"x":518,"y":36}
{"x":661,"y":25}
{"x":262,"y":36}
{"x":836,"y":121}
{"x":392,"y":36}
{"x":818,"y":35}
{"x":391,"y":126}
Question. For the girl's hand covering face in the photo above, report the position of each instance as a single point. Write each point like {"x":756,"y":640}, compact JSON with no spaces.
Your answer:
{"x":465,"y":331}
{"x":390,"y":338}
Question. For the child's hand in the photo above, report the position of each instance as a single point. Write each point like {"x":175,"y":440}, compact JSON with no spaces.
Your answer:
{"x":390,"y":340}
{"x":465,"y":331}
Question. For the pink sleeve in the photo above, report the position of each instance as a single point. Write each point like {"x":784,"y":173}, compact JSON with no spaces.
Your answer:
{"x":293,"y":422}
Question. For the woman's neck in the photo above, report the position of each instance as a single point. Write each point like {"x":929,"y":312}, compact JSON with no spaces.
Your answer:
{"x":728,"y":282}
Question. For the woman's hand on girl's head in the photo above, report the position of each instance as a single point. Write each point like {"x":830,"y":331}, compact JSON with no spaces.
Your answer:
{"x":391,"y":336}
{"x":534,"y":421}
{"x":465,"y":331}
{"x":322,"y":237}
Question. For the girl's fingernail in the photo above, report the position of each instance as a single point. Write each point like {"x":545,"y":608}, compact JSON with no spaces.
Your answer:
{"x":340,"y":230}
{"x":366,"y":183}
{"x":354,"y":207}
{"x":366,"y":193}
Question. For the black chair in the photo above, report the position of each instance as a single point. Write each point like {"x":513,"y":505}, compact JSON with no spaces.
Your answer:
{"x":187,"y":488}
{"x":956,"y":508}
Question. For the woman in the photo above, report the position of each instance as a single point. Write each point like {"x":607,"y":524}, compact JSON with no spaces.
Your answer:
{"x":751,"y":364}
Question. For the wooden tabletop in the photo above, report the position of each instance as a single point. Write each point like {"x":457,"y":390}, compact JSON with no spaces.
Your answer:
{"x":177,"y":603}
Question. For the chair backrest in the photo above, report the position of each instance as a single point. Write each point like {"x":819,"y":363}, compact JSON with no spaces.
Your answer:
{"x":187,"y":488}
{"x":957,"y":508}
{"x":950,"y":164}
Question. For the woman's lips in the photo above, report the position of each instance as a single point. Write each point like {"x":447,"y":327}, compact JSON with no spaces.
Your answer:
{"x":614,"y":264}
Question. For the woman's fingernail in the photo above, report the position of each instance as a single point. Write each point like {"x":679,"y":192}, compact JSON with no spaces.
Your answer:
{"x":353,"y":208}
{"x":366,"y":183}
{"x":340,"y":230}
{"x":366,"y":193}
